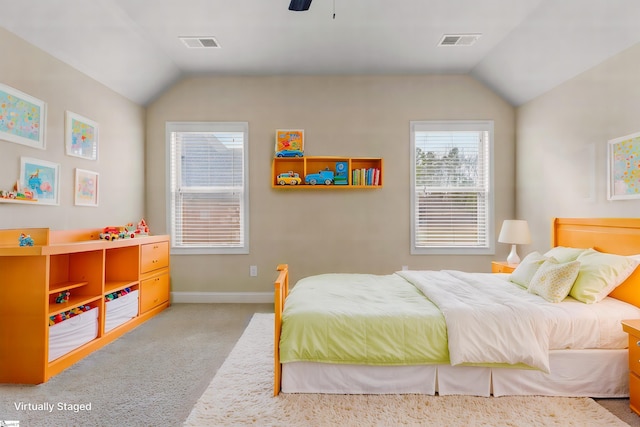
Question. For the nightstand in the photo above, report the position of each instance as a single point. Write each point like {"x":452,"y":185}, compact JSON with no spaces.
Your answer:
{"x":502,"y":267}
{"x":632,"y":327}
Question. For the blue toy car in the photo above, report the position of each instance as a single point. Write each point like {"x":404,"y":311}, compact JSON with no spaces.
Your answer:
{"x":325,"y":176}
{"x":289,"y":153}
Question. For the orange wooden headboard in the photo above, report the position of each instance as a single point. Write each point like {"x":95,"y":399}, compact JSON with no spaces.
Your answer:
{"x":612,"y":235}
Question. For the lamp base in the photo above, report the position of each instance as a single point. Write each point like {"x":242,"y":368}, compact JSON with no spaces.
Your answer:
{"x":513,"y":257}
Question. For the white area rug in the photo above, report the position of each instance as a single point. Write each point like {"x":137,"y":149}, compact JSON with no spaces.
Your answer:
{"x":241,"y":394}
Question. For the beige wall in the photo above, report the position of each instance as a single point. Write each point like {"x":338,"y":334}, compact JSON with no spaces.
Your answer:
{"x":328,"y":231}
{"x":561,"y":167}
{"x":120,"y":162}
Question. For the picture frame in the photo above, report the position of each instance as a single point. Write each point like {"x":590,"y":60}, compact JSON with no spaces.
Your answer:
{"x":42,"y":178}
{"x":81,"y":136}
{"x":289,"y":143}
{"x":23,"y":118}
{"x":86,"y":188}
{"x":624,"y":167}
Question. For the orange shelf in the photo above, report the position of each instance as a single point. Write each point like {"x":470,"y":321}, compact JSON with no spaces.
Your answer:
{"x":89,"y":268}
{"x":304,"y":166}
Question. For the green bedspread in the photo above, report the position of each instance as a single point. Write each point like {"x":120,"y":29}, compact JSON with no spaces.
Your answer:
{"x":361,"y":319}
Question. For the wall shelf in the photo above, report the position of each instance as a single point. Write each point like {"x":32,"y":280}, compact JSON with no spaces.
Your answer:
{"x":361,"y":172}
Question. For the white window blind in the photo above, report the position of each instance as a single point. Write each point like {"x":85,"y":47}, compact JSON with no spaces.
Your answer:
{"x":208,"y":187}
{"x":452,"y":199}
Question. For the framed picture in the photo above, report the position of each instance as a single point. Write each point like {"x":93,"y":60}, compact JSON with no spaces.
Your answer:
{"x":81,"y":136}
{"x":289,"y":143}
{"x":86,"y":188}
{"x":624,"y":168}
{"x":23,"y":118}
{"x":41,"y":178}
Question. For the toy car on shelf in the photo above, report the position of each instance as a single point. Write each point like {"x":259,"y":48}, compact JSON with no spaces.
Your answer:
{"x":290,"y":178}
{"x":114,"y":233}
{"x":289,"y":153}
{"x":324,"y":177}
{"x":110,"y":233}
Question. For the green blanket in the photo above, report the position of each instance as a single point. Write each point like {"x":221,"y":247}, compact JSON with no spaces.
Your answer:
{"x":361,"y":319}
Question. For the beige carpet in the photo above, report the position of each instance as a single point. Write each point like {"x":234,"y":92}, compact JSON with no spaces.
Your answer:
{"x":241,"y":394}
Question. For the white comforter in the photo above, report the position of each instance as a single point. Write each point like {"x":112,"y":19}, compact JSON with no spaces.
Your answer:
{"x":487,"y":322}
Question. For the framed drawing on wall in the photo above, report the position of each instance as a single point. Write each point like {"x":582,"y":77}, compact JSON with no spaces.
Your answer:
{"x":289,"y":143}
{"x":81,"y":136}
{"x":624,"y":168}
{"x":41,"y":178}
{"x":23,"y":118}
{"x":86,"y":188}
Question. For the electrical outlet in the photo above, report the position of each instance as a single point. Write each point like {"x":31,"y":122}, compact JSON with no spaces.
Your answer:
{"x":405,"y":267}
{"x":253,"y":270}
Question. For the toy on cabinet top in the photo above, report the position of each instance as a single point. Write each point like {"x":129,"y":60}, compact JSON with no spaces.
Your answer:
{"x":325,"y":176}
{"x":113,"y":233}
{"x":25,"y":240}
{"x":142,"y":228}
{"x":129,"y":231}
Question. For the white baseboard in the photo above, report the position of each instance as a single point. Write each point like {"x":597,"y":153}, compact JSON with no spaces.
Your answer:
{"x":222,"y":297}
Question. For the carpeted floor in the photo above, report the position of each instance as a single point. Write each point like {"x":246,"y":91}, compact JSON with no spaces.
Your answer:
{"x":241,"y":394}
{"x":154,"y":374}
{"x":151,"y":376}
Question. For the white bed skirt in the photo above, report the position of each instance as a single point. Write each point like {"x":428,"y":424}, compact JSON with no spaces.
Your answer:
{"x":575,"y":373}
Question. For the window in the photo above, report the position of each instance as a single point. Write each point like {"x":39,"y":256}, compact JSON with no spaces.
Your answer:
{"x":451,"y":187}
{"x":208,"y":187}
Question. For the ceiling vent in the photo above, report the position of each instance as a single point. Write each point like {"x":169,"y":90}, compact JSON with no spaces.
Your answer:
{"x":200,"y":42}
{"x":459,"y":39}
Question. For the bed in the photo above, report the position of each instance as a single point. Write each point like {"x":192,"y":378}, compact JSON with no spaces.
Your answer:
{"x":580,"y":348}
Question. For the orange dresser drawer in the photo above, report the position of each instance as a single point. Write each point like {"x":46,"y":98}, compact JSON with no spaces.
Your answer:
{"x":154,"y":256}
{"x":634,"y":393}
{"x":154,"y":292}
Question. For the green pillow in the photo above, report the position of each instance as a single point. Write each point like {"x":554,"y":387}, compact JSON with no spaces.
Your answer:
{"x":600,"y":273}
{"x":554,"y":280}
{"x":527,"y":268}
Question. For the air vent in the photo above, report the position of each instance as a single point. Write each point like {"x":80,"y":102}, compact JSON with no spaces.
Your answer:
{"x":200,"y":42}
{"x":459,"y":39}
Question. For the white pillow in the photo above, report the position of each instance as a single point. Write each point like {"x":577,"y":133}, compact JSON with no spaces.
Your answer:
{"x":554,"y":280}
{"x":600,"y":273}
{"x":564,"y":254}
{"x":634,"y":257}
{"x":524,"y":272}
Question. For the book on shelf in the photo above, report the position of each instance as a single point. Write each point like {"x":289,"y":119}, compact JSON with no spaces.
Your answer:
{"x":366,"y":177}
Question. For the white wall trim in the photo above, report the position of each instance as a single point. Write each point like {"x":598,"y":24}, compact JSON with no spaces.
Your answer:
{"x":222,"y":297}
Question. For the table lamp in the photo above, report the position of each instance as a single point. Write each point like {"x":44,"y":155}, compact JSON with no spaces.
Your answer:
{"x":515,"y":232}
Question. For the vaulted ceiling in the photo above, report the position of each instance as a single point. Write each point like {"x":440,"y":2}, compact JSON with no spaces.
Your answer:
{"x":525,"y":48}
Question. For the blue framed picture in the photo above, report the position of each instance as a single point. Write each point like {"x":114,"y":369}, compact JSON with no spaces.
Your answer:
{"x":40,"y":178}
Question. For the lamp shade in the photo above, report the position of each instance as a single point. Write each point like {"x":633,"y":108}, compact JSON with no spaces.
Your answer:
{"x":515,"y":231}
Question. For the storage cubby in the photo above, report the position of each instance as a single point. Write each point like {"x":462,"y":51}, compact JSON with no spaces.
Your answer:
{"x":80,"y":274}
{"x":362,"y":166}
{"x":49,"y":331}
{"x":122,"y":268}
